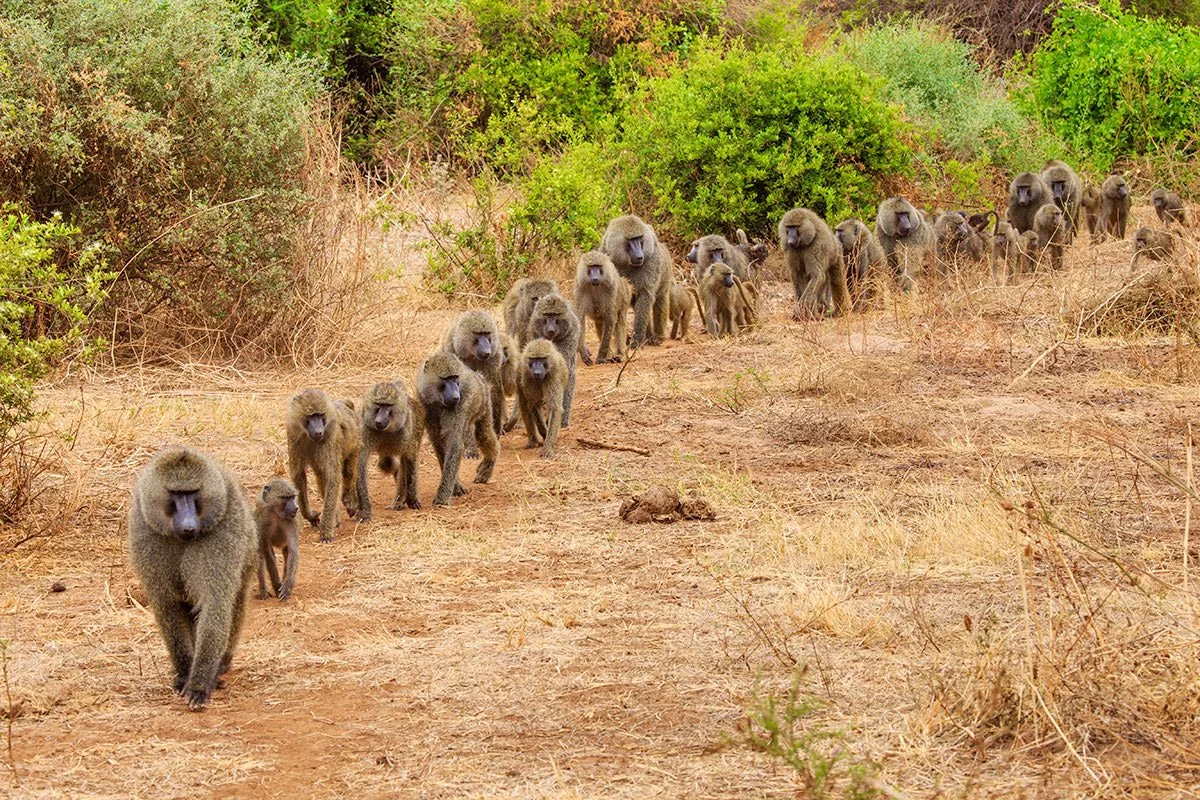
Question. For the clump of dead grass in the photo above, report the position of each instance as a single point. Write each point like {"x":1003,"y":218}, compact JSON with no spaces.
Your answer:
{"x":1160,"y":300}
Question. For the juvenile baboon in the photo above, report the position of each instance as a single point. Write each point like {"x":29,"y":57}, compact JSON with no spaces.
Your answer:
{"x":191,"y":542}
{"x":1026,"y":194}
{"x":1114,"y":207}
{"x":755,"y":252}
{"x":519,"y":303}
{"x":323,"y":435}
{"x":475,"y":339}
{"x":956,"y":238}
{"x":680,"y":311}
{"x":716,"y":249}
{"x":1005,"y":249}
{"x":1089,"y":207}
{"x":1153,"y":244}
{"x":1028,"y":252}
{"x":862,"y":257}
{"x":1169,"y":207}
{"x":275,"y":518}
{"x":725,"y":308}
{"x":641,"y":259}
{"x":457,"y":404}
{"x":1051,"y":228}
{"x":813,"y":257}
{"x":509,"y":353}
{"x":905,"y":237}
{"x":392,"y":426}
{"x":1066,"y":190}
{"x":554,"y":320}
{"x":604,"y":296}
{"x":541,"y":383}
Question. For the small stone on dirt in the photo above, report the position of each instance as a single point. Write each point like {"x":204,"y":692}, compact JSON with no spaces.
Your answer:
{"x":660,"y":504}
{"x":58,"y":586}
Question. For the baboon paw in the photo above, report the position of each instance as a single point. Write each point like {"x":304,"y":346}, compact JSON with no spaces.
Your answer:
{"x":197,"y":699}
{"x":613,"y":360}
{"x":532,"y":444}
{"x":178,"y":684}
{"x":366,"y":517}
{"x":654,"y":341}
{"x":459,"y":490}
{"x":262,"y":594}
{"x":441,"y":501}
{"x":326,"y":537}
{"x":547,"y":453}
{"x":471,"y":452}
{"x":413,"y":504}
{"x":285,"y":594}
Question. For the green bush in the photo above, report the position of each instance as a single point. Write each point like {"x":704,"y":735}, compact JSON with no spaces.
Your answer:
{"x":943,"y":90}
{"x":1118,"y":85}
{"x":43,"y":306}
{"x":736,"y":138}
{"x":163,"y":131}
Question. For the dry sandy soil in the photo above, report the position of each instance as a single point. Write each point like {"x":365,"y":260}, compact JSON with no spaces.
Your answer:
{"x":945,"y":523}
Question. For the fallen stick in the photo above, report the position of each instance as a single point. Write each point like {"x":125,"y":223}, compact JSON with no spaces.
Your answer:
{"x":592,"y":444}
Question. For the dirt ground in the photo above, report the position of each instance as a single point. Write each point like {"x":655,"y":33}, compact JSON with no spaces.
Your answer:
{"x":943,"y":521}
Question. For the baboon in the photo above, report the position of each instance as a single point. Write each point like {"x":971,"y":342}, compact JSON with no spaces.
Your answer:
{"x":541,"y":383}
{"x":519,"y":303}
{"x":1005,"y":249}
{"x":956,"y":238}
{"x":1114,"y":207}
{"x":1028,"y":251}
{"x":392,"y":426}
{"x":1090,"y":207}
{"x":275,"y":518}
{"x":862,"y":257}
{"x":602,"y":294}
{"x":191,"y":543}
{"x":1026,"y":194}
{"x":457,"y":404}
{"x":1153,"y":244}
{"x":475,"y":339}
{"x":724,"y":306}
{"x":1051,"y":228}
{"x":554,"y":320}
{"x":1169,"y":207}
{"x":680,"y":311}
{"x":323,"y":434}
{"x":1066,"y":190}
{"x":813,"y":257}
{"x":641,"y":259}
{"x":904,"y":236}
{"x":716,"y":249}
{"x":755,"y":253}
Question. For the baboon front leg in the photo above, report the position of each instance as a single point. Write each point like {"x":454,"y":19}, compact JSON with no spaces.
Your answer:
{"x":175,"y":622}
{"x":360,"y":482}
{"x":291,"y":563}
{"x":568,"y":396}
{"x":330,"y":495}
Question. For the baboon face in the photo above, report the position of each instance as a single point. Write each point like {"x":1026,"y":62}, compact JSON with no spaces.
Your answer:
{"x":280,"y":496}
{"x":1058,"y":188}
{"x":448,"y":392}
{"x":183,"y":497}
{"x":314,"y":425}
{"x":312,"y":407}
{"x":550,"y":318}
{"x":1024,"y":194}
{"x":905,"y":223}
{"x":1116,"y":187}
{"x":797,"y":236}
{"x":595,"y":273}
{"x":539,"y":368}
{"x":1159,"y":198}
{"x":693,"y":255}
{"x":635,"y":250}
{"x":481,"y":345}
{"x":725,"y":274}
{"x":717,"y":255}
{"x":385,"y":408}
{"x":183,"y":509}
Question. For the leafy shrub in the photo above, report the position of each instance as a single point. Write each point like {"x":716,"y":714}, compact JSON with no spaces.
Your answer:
{"x":161,"y":130}
{"x":736,"y":138}
{"x":43,"y":305}
{"x":1116,"y":85}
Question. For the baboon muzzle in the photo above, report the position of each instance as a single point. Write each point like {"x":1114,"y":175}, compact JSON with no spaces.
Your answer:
{"x":637,"y":255}
{"x":483,"y":345}
{"x":728,"y":281}
{"x":793,"y":237}
{"x":537,"y":368}
{"x":314,"y":424}
{"x":595,"y":276}
{"x":289,"y":509}
{"x":185,"y":517}
{"x":383,"y":417}
{"x":451,"y":394}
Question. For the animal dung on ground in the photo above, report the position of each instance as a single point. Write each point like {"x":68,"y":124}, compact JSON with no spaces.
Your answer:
{"x":660,"y":504}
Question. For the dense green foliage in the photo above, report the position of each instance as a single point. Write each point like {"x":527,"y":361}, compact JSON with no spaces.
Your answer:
{"x":1118,"y":85}
{"x":43,"y":306}
{"x":163,"y":132}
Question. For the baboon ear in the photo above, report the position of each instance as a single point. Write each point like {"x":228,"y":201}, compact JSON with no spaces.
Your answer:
{"x":266,"y":490}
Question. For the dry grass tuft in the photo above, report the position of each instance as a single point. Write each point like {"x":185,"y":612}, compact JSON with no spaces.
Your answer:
{"x":1163,"y":299}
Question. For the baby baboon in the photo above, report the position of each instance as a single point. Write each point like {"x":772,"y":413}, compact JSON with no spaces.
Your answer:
{"x":680,"y":311}
{"x":475,"y":339}
{"x":725,"y":307}
{"x":275,"y":518}
{"x":905,"y":237}
{"x":1029,"y":252}
{"x":603,"y":295}
{"x":554,"y":320}
{"x":641,"y":259}
{"x":814,"y":260}
{"x":1050,"y":225}
{"x":392,"y":425}
{"x":956,"y":238}
{"x":1089,"y":207}
{"x":541,"y":383}
{"x":1153,"y":244}
{"x":191,"y":543}
{"x":716,"y":249}
{"x":1169,"y":207}
{"x":862,"y":257}
{"x":1066,"y":190}
{"x":519,"y":303}
{"x":323,"y":434}
{"x":1114,"y":207}
{"x":509,"y":353}
{"x":1005,"y":249}
{"x":1026,"y":194}
{"x":457,"y":404}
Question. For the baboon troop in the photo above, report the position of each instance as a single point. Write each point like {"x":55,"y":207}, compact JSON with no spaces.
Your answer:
{"x":541,"y":389}
{"x":1153,"y":244}
{"x":813,"y":259}
{"x":1026,"y":194}
{"x":392,"y":426}
{"x":1114,"y":207}
{"x":635,"y":251}
{"x":1169,"y":207}
{"x":323,"y":435}
{"x":275,"y":519}
{"x":601,"y":295}
{"x":191,"y":542}
{"x":680,"y":311}
{"x":905,"y":237}
{"x":457,"y":405}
